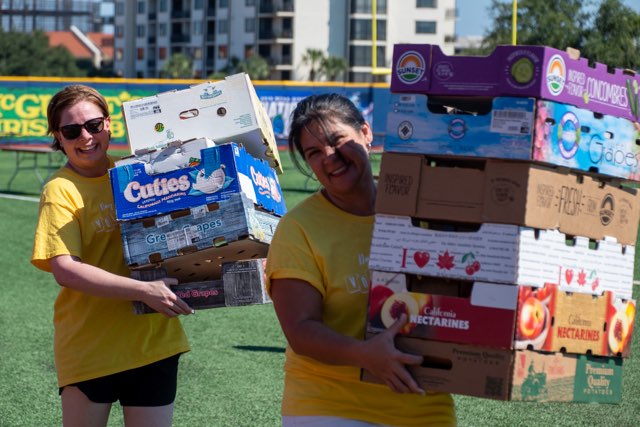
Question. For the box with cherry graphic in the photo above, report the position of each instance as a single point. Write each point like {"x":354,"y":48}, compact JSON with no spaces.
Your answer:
{"x":501,"y":253}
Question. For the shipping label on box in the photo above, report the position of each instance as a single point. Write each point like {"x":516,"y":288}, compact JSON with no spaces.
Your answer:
{"x":510,"y":192}
{"x":223,"y":170}
{"x":525,"y":71}
{"x":152,"y":240}
{"x":514,"y":128}
{"x":521,"y":375}
{"x":501,"y":253}
{"x":224,"y":111}
{"x":443,"y":311}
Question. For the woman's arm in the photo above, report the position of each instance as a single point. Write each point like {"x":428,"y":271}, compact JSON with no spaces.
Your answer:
{"x":298,"y":306}
{"x":69,"y":271}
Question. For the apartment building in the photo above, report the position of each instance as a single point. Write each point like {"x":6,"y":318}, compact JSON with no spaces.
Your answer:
{"x":54,"y":15}
{"x":211,"y":32}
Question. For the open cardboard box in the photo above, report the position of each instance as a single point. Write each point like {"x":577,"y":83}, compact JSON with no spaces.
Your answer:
{"x":242,"y":283}
{"x":216,"y":225}
{"x":224,"y":111}
{"x":509,"y":192}
{"x":514,"y":128}
{"x":504,"y":254}
{"x":525,"y":71}
{"x":521,"y":375}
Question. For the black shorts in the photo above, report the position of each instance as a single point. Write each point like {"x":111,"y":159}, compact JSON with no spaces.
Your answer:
{"x":150,"y":385}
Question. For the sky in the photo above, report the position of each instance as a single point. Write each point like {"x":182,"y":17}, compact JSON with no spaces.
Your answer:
{"x":473,"y":16}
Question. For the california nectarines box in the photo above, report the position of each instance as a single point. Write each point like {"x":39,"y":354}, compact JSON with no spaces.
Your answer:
{"x":510,"y":192}
{"x":151,"y":240}
{"x":456,"y":311}
{"x":553,"y":320}
{"x":521,"y":375}
{"x":224,"y":111}
{"x":501,"y":253}
{"x":529,"y":71}
{"x":514,"y":128}
{"x":242,"y":283}
{"x":223,"y":170}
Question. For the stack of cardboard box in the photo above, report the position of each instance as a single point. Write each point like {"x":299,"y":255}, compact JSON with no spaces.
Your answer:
{"x":199,"y":197}
{"x":504,"y":228}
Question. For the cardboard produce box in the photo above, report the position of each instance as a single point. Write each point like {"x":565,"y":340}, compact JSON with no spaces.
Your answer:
{"x":224,"y":111}
{"x":154,"y":240}
{"x":527,"y":71}
{"x":519,"y":375}
{"x":508,"y":192}
{"x":503,"y":253}
{"x":514,"y":128}
{"x":242,"y":283}
{"x":456,"y":311}
{"x":222,"y":171}
{"x":552,"y":320}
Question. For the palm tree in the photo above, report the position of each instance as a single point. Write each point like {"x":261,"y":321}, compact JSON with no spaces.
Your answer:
{"x":178,"y":67}
{"x":333,"y":67}
{"x":256,"y":66}
{"x":313,"y":58}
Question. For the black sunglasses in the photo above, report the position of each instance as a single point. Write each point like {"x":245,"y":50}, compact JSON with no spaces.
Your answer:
{"x":92,"y":126}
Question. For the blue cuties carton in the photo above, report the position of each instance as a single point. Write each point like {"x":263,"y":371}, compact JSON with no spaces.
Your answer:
{"x":223,"y":170}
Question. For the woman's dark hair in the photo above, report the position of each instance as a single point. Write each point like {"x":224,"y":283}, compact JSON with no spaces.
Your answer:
{"x":68,"y":97}
{"x":324,"y":108}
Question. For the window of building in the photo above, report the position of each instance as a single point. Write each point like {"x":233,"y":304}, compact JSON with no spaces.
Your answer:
{"x":361,"y":29}
{"x":366,"y":6}
{"x":223,"y":4}
{"x":162,"y":6}
{"x":119,"y":31}
{"x":162,"y":53}
{"x":119,"y":54}
{"x":162,"y":29}
{"x":427,"y":3}
{"x":249,"y":25}
{"x":119,"y":10}
{"x":141,"y":6}
{"x":197,"y":53}
{"x":223,"y":26}
{"x":140,"y":53}
{"x":222,"y":51}
{"x":197,"y":28}
{"x":248,"y":50}
{"x":249,"y":3}
{"x":140,"y":30}
{"x":198,"y":4}
{"x":361,"y":56}
{"x":425,"y":27}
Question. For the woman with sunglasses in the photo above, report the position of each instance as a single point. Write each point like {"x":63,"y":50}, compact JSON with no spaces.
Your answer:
{"x":318,"y":279}
{"x":103,"y":352}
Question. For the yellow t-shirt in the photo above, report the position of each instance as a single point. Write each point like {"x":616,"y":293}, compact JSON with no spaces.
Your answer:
{"x":95,"y":336}
{"x":329,"y":248}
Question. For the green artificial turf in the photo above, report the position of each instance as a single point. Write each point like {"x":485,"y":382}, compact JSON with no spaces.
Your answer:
{"x":233,"y":375}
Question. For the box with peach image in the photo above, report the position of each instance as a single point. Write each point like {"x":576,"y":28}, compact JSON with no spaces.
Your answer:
{"x":517,"y":375}
{"x":553,"y":320}
{"x":507,"y":192}
{"x":476,"y":313}
{"x":501,"y":253}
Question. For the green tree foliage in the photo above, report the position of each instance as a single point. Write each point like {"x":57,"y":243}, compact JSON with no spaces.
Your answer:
{"x":178,"y":66}
{"x":604,"y":31}
{"x":313,"y":58}
{"x":256,"y":66}
{"x":29,"y":54}
{"x":333,"y":68}
{"x":615,"y":39}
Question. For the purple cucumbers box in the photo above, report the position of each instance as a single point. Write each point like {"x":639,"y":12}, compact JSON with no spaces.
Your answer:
{"x":223,"y":170}
{"x":531,"y":71}
{"x":514,"y":128}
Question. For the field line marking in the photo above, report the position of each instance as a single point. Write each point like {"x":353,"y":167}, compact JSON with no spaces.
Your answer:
{"x":15,"y":197}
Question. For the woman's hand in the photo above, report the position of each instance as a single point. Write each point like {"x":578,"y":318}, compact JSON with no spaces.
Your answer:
{"x":162,"y":299}
{"x":386,"y":362}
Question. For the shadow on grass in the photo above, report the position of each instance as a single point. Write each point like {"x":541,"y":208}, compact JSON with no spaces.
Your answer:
{"x":268,"y":349}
